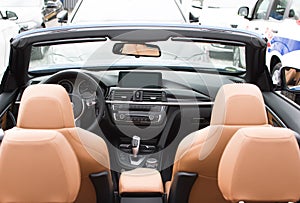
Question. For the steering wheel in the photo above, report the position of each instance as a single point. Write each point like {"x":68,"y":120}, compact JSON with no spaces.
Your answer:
{"x":92,"y":104}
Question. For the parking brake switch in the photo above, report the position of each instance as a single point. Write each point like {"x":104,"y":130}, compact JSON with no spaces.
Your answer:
{"x":135,"y":143}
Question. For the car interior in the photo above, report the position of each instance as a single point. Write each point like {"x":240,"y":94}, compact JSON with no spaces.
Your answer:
{"x":144,"y":133}
{"x":196,"y":165}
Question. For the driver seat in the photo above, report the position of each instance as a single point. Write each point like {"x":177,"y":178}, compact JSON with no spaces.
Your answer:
{"x":48,"y":107}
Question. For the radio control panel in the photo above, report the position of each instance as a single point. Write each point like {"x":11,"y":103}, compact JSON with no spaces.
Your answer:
{"x":138,"y":114}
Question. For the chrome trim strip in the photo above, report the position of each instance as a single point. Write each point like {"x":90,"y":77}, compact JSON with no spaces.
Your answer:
{"x":163,"y":103}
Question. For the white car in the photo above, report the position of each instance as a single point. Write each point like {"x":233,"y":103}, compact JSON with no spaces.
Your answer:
{"x":29,"y":12}
{"x":278,"y":21}
{"x":221,"y":13}
{"x":108,"y":11}
{"x":8,"y":30}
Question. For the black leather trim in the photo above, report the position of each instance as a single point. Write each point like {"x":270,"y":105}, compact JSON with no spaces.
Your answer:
{"x":141,"y":200}
{"x":103,"y":186}
{"x":181,"y":187}
{"x":285,"y":110}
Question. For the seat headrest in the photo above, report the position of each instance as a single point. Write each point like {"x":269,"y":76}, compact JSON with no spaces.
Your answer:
{"x":45,"y":106}
{"x":239,"y":104}
{"x":261,"y":164}
{"x":37,"y":166}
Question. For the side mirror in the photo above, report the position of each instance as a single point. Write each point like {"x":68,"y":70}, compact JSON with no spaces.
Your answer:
{"x":243,"y":11}
{"x":292,"y":13}
{"x":193,"y":19}
{"x":62,"y":16}
{"x":290,"y":83}
{"x":11,"y":15}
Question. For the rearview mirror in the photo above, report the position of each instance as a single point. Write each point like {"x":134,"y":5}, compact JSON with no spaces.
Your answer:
{"x":137,"y":50}
{"x":290,"y":80}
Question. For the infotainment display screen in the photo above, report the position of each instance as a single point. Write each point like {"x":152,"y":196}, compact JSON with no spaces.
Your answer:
{"x":140,"y":79}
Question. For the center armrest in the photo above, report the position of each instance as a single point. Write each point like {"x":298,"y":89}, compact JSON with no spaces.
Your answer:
{"x":141,"y":180}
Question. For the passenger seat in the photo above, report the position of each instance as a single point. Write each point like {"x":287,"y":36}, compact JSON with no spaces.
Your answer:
{"x":195,"y":171}
{"x":261,"y":165}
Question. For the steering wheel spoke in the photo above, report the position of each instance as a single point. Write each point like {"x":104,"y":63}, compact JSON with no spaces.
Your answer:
{"x":82,"y":102}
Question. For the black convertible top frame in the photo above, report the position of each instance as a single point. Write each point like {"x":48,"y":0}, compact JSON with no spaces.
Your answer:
{"x":16,"y":75}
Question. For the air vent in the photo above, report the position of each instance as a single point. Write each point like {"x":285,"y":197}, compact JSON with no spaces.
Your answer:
{"x":152,"y":96}
{"x":122,"y":95}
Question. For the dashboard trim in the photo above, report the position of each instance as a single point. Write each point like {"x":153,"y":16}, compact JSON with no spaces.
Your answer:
{"x":163,"y":103}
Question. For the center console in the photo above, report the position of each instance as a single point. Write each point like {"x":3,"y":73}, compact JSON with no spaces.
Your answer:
{"x":131,"y":115}
{"x":138,"y":155}
{"x":138,"y":102}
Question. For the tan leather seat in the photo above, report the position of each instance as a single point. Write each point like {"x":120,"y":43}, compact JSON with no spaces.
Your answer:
{"x":236,"y":106}
{"x":261,"y":165}
{"x":38,"y":166}
{"x":47,"y":106}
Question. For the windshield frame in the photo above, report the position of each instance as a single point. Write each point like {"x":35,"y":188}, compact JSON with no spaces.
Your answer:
{"x":172,"y":54}
{"x":21,"y":45}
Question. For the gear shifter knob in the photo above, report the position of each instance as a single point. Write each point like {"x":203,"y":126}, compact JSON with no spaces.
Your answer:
{"x":135,"y":143}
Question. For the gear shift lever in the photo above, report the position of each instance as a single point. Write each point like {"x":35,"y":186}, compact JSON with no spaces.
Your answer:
{"x":135,"y":143}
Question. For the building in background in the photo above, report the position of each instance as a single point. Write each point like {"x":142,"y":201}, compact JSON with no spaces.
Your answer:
{"x":69,"y":4}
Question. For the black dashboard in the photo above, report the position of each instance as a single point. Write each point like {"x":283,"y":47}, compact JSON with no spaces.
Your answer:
{"x":158,"y":107}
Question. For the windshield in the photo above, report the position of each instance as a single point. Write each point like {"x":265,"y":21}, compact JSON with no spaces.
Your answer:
{"x":21,"y":3}
{"x":174,"y":52}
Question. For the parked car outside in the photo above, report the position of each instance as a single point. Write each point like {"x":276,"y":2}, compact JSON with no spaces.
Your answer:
{"x":222,"y":13}
{"x":219,"y":13}
{"x":8,"y":30}
{"x":29,"y":12}
{"x":107,"y":11}
{"x":51,"y":9}
{"x":278,"y":21}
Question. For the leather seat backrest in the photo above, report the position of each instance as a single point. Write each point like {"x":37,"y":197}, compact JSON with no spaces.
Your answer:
{"x":38,"y":166}
{"x":236,"y":106}
{"x":48,"y":107}
{"x":261,"y":165}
